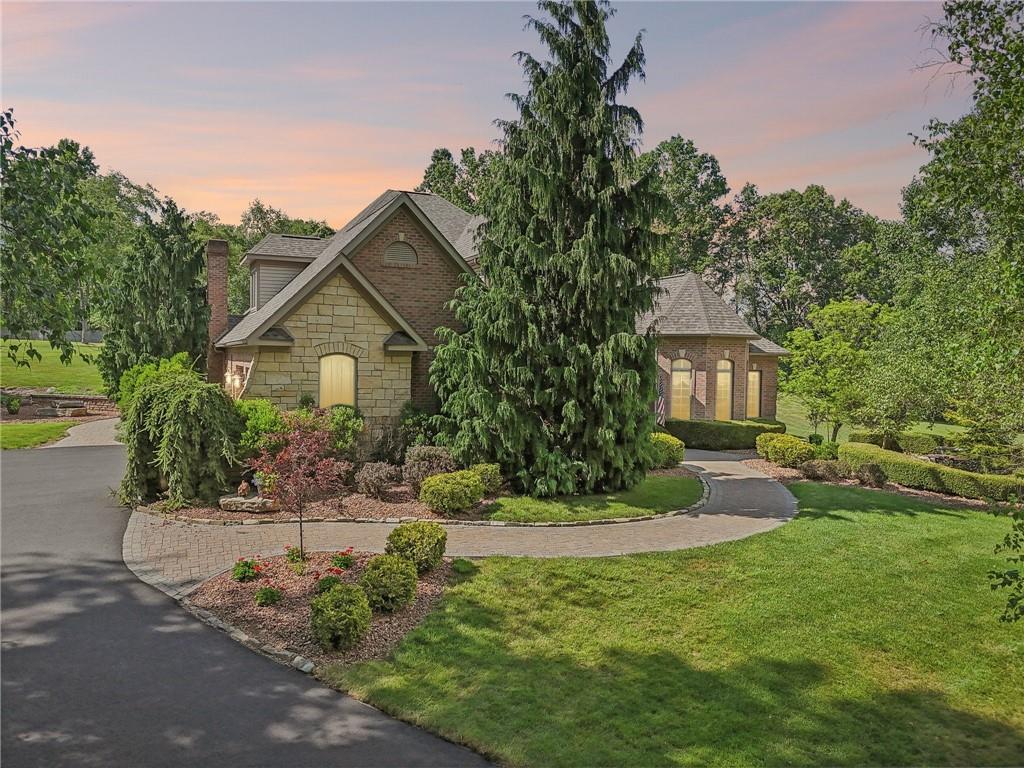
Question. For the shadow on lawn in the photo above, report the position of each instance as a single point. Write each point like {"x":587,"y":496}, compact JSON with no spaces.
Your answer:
{"x":638,"y":708}
{"x":830,"y":502}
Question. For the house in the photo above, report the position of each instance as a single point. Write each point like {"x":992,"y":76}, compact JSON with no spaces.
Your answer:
{"x":352,"y":318}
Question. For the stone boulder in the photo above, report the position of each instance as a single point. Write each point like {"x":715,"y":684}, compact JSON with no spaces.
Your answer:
{"x":253,"y":504}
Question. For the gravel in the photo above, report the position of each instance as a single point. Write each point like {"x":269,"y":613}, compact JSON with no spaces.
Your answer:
{"x":286,"y":624}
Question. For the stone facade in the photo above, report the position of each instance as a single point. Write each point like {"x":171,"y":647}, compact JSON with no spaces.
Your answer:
{"x":337,"y":318}
{"x":420,"y":292}
{"x":704,"y":352}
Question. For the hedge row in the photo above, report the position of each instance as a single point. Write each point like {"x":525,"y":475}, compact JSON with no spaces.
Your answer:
{"x":927,"y":475}
{"x":908,"y":442}
{"x":720,"y":435}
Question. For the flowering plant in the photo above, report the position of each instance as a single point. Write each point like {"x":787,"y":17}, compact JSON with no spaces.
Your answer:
{"x":246,"y":569}
{"x":343,"y":560}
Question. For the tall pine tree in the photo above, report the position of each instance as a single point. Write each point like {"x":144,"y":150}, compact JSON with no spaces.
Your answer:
{"x":550,"y":378}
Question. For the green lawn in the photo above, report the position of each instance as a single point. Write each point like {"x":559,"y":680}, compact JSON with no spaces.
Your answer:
{"x":794,"y":416}
{"x":79,"y":377}
{"x":862,"y":633}
{"x":27,"y":435}
{"x":657,"y":493}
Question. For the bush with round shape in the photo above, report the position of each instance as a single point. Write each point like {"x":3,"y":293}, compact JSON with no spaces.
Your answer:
{"x":815,"y":439}
{"x":423,"y":461}
{"x":12,"y":404}
{"x":422,"y":543}
{"x":490,"y":476}
{"x":452,"y":492}
{"x":871,"y":475}
{"x":389,"y":582}
{"x":260,"y":419}
{"x":340,"y":617}
{"x":266,"y":596}
{"x":668,"y":451}
{"x":784,"y":450}
{"x":375,"y":477}
{"x":326,"y":583}
{"x":826,"y":451}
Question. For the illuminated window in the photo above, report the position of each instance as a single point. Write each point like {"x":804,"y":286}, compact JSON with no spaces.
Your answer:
{"x":682,"y":384}
{"x":753,"y":394}
{"x":337,"y":380}
{"x":723,"y":390}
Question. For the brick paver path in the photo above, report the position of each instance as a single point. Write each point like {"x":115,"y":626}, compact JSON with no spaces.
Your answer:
{"x":175,"y":556}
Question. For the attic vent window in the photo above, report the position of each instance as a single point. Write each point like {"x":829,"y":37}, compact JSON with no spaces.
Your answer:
{"x":400,"y":252}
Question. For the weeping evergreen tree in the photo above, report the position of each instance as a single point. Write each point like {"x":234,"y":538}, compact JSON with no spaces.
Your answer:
{"x":549,"y":378}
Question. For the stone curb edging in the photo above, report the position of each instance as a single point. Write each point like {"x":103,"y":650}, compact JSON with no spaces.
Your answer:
{"x":705,"y":493}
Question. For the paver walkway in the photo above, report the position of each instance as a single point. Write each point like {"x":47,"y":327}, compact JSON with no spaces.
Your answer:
{"x":175,"y":556}
{"x":89,"y":433}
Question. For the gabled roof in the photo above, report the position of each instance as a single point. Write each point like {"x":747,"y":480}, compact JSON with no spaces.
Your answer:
{"x":762,"y":346}
{"x":298,"y":247}
{"x":686,"y":306}
{"x":438,"y":216}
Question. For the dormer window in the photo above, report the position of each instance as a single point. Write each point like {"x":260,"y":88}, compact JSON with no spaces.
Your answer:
{"x":400,"y":253}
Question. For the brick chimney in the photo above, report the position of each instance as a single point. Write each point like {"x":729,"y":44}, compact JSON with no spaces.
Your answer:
{"x":217,"y":298}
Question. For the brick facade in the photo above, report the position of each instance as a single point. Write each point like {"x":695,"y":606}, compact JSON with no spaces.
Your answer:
{"x":704,"y":352}
{"x":420,"y":291}
{"x":336,"y":318}
{"x":217,"y":298}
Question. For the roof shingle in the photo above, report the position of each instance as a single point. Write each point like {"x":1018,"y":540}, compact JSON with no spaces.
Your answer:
{"x":686,"y":306}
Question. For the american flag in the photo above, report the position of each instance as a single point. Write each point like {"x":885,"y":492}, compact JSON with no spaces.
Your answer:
{"x":659,"y":406}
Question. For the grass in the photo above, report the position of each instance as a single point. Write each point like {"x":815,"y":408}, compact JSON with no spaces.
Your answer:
{"x":29,"y":435}
{"x":794,"y":416}
{"x":657,"y":493}
{"x":862,"y":633}
{"x":78,"y":377}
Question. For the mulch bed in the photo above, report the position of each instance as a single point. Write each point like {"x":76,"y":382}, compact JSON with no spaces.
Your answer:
{"x":786,"y":476}
{"x":286,"y":624}
{"x":398,"y":502}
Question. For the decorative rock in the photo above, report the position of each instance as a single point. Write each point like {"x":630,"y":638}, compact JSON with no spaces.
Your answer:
{"x":253,"y":504}
{"x":70,"y":404}
{"x":77,"y":411}
{"x":46,"y":412}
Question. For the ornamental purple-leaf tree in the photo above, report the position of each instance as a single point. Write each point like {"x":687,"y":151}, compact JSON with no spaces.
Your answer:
{"x":550,"y":378}
{"x":301,"y":472}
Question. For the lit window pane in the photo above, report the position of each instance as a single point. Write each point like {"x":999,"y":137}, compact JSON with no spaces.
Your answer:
{"x":723,"y":391}
{"x":682,"y":383}
{"x":753,"y":394}
{"x":337,"y":380}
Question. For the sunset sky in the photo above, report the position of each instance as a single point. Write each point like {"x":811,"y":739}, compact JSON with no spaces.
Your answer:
{"x":318,"y":107}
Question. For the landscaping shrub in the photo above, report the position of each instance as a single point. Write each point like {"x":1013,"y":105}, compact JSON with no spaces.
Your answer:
{"x":344,"y":423}
{"x":824,"y":470}
{"x":260,"y":419}
{"x":389,"y":582}
{"x":265,"y":596}
{"x":180,"y":434}
{"x":307,"y":401}
{"x":138,"y":374}
{"x":784,"y":450}
{"x":422,"y":461}
{"x":344,"y":560}
{"x":490,"y":476}
{"x":416,"y":426}
{"x":928,"y":475}
{"x":826,"y":451}
{"x":12,"y":404}
{"x":340,"y":616}
{"x":246,"y":569}
{"x":293,"y":554}
{"x":907,"y":442}
{"x":720,"y":435}
{"x":326,"y":583}
{"x":422,"y":543}
{"x":815,"y":439}
{"x":870,"y":475}
{"x":452,"y":492}
{"x":668,"y":450}
{"x":375,"y":477}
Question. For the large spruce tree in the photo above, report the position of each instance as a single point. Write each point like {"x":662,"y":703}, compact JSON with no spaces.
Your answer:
{"x":549,"y":377}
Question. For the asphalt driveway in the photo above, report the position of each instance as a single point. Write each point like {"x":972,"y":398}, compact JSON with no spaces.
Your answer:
{"x":99,"y":669}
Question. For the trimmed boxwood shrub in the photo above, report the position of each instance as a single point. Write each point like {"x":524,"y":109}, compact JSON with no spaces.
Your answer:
{"x":422,"y":461}
{"x":928,"y":475}
{"x":389,"y":582}
{"x":490,"y":476}
{"x":452,"y":492}
{"x":871,"y":475}
{"x":422,"y":543}
{"x":375,"y":477}
{"x":720,"y":435}
{"x":907,"y":442}
{"x":826,"y":451}
{"x":784,"y":450}
{"x":340,"y":616}
{"x":668,"y":450}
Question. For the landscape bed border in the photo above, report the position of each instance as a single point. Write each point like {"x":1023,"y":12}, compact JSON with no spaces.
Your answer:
{"x":705,"y":494}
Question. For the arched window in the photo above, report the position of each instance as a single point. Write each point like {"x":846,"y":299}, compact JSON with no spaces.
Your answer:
{"x":337,"y":380}
{"x":682,"y":386}
{"x":400,"y":252}
{"x":723,"y":390}
{"x":753,"y":394}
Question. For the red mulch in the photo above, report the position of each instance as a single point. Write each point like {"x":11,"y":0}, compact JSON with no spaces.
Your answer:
{"x":286,"y":624}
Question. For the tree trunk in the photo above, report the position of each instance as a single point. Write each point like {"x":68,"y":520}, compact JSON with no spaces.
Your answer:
{"x":836,"y":426}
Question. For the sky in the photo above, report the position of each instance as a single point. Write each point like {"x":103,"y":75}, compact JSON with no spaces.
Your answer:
{"x":316,"y":108}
